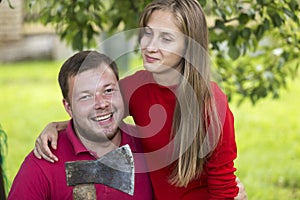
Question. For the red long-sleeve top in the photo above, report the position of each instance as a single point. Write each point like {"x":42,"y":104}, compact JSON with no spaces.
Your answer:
{"x":152,"y":108}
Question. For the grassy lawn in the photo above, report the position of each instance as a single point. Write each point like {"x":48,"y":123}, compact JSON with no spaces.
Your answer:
{"x":30,"y":98}
{"x":267,"y":134}
{"x":268,"y":144}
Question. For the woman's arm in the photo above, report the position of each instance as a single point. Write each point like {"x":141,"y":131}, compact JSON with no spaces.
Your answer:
{"x":48,"y":135}
{"x":220,"y":168}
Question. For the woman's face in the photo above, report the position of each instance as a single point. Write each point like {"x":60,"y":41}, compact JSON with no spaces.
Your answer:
{"x":162,"y":43}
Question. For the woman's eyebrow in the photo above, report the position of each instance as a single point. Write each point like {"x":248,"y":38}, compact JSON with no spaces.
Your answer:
{"x":162,"y":31}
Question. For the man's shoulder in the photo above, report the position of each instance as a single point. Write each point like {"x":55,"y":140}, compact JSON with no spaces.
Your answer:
{"x":130,"y":136}
{"x":34,"y":164}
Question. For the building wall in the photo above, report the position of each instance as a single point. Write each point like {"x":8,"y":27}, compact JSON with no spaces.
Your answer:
{"x":11,"y":20}
{"x":19,"y":41}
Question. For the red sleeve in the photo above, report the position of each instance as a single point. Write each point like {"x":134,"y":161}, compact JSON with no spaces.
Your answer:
{"x":29,"y":182}
{"x":220,"y":166}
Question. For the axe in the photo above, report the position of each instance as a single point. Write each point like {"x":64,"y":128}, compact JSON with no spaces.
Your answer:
{"x":115,"y":169}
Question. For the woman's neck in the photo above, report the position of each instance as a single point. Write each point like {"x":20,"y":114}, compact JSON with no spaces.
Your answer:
{"x":167,"y":78}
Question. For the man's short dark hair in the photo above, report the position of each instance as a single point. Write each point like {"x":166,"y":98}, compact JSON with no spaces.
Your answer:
{"x":79,"y":62}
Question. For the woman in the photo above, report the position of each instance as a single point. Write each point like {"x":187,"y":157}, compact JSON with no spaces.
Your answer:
{"x":184,"y":120}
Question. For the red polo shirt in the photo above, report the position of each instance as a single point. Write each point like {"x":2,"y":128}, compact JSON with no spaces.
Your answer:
{"x":40,"y":179}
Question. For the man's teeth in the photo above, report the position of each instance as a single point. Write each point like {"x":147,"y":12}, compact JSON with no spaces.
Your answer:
{"x":104,"y":117}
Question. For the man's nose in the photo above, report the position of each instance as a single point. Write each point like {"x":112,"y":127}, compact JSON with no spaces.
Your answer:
{"x":101,"y":101}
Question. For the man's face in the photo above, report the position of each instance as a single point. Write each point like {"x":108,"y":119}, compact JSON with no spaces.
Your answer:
{"x":95,"y":104}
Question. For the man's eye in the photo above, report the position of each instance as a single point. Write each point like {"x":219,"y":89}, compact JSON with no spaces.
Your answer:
{"x":109,"y":91}
{"x":85,"y":97}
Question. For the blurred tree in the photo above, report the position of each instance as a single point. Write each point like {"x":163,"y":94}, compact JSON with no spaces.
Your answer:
{"x":264,"y":32}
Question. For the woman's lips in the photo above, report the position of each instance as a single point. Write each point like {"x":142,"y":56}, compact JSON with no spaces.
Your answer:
{"x":150,"y":59}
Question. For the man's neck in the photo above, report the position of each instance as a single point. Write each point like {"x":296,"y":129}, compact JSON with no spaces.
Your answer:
{"x":100,"y":148}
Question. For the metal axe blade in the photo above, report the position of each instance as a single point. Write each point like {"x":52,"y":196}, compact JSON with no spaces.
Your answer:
{"x":115,"y":169}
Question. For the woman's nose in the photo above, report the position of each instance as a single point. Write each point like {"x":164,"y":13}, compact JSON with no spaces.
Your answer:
{"x":153,"y":45}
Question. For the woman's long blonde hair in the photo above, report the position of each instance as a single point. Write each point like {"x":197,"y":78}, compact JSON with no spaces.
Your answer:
{"x":196,"y":124}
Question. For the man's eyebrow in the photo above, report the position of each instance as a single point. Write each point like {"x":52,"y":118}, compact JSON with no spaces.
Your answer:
{"x":83,"y":91}
{"x":109,"y":84}
{"x":112,"y":83}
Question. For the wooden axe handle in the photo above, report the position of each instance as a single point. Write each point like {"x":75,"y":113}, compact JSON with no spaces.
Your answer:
{"x":84,"y":192}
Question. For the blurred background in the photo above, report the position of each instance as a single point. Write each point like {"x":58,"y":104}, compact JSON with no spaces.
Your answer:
{"x":254,"y":49}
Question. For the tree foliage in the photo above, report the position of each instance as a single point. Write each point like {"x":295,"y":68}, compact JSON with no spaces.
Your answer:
{"x":254,"y":44}
{"x":262,"y":37}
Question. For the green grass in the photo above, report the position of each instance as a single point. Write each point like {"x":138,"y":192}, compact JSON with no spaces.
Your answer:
{"x":268,"y":138}
{"x":267,"y":134}
{"x":30,"y":98}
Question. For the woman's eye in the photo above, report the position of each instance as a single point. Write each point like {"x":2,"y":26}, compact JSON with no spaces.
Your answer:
{"x":166,"y":39}
{"x":147,"y":32}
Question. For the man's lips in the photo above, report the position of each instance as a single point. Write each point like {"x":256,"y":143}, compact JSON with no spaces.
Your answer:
{"x":104,"y":117}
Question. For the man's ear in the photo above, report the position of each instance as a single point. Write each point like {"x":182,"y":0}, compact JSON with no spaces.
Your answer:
{"x":67,"y":106}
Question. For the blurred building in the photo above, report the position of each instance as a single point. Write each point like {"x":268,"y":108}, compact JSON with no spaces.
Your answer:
{"x":20,"y":41}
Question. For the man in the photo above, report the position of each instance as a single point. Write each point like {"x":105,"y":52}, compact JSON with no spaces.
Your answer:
{"x":91,"y":96}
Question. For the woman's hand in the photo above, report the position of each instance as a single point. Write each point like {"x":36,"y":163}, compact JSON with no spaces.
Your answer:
{"x":48,"y":135}
{"x":242,"y":195}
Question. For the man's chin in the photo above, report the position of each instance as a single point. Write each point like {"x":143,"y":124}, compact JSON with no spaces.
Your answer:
{"x":110,"y":133}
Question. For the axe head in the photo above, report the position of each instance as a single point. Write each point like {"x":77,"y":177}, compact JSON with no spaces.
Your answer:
{"x":115,"y":169}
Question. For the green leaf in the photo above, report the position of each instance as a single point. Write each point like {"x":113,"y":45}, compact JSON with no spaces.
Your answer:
{"x":243,"y":19}
{"x":259,"y":31}
{"x":219,"y":24}
{"x":263,"y":2}
{"x":81,"y":18}
{"x":233,"y":37}
{"x":276,"y":19}
{"x":288,"y":13}
{"x":77,"y":42}
{"x":266,"y":24}
{"x":202,"y":3}
{"x":234,"y":52}
{"x":220,"y":13}
{"x":90,"y":32}
{"x":294,"y":5}
{"x":217,"y":35}
{"x":246,"y":33}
